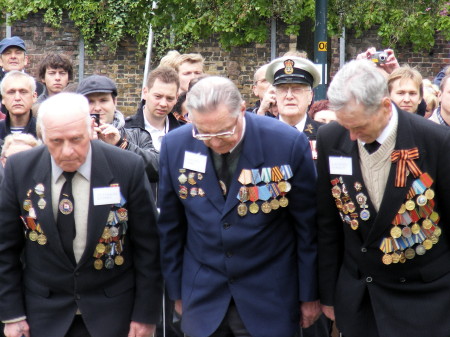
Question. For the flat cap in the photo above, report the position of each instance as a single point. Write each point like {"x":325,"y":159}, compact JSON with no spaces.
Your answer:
{"x":97,"y":84}
{"x":292,"y":69}
{"x":14,"y":41}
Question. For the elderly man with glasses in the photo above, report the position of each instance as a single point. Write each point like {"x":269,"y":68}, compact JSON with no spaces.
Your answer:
{"x":237,"y":221}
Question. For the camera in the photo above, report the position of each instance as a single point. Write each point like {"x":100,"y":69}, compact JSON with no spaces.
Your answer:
{"x":380,"y":57}
{"x":96,"y":118}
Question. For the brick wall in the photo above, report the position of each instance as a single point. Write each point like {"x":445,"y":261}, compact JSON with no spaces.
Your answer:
{"x":126,"y":66}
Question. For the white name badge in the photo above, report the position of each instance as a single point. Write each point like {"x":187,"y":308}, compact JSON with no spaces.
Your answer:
{"x":194,"y":162}
{"x":341,"y":165}
{"x":106,"y":195}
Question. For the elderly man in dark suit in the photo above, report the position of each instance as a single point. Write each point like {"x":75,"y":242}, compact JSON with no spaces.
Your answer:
{"x":79,"y":253}
{"x":384,"y":187}
{"x":237,"y":222}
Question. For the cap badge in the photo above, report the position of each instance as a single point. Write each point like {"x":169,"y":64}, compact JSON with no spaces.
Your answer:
{"x":288,"y":67}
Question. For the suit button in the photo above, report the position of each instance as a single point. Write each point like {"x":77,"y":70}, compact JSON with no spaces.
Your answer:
{"x":229,"y":254}
{"x":402,"y":279}
{"x":226,"y":225}
{"x":369,"y":279}
{"x":364,"y":250}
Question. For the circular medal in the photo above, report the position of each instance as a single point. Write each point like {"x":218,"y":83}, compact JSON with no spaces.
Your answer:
{"x":106,"y":234}
{"x":33,"y":235}
{"x":122,"y":214}
{"x":351,"y":207}
{"x":427,"y":243}
{"x":118,"y":260}
{"x":426,"y":223}
{"x":254,"y":208}
{"x":387,"y":259}
{"x":265,"y":207}
{"x":410,"y":253}
{"x":354,"y":224}
{"x":364,"y":214}
{"x":336,"y":191}
{"x":42,"y":239}
{"x":113,"y":231}
{"x":339,"y":203}
{"x":345,"y":208}
{"x":429,"y":194}
{"x":42,"y":203}
{"x":396,"y":258}
{"x":288,"y":186}
{"x":100,"y":248}
{"x":284,"y":201}
{"x":27,"y":204}
{"x":434,"y":239}
{"x":415,"y":228}
{"x":65,"y":206}
{"x":361,"y":199}
{"x":109,"y":263}
{"x":275,"y":204}
{"x":420,"y":250}
{"x":437,"y":231}
{"x":282,"y":186}
{"x":396,"y":232}
{"x":421,"y":200}
{"x":39,"y":189}
{"x":242,"y":209}
{"x":402,"y":209}
{"x":98,"y":264}
{"x":410,"y":205}
{"x":406,"y":232}
{"x":402,"y":258}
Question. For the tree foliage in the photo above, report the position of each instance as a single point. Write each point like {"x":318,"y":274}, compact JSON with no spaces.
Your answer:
{"x":179,"y":23}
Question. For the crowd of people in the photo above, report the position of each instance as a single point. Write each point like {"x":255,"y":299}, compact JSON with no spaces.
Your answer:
{"x":201,"y":216}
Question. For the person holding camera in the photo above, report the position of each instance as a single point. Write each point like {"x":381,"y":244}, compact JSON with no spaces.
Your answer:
{"x":385,"y":60}
{"x":109,"y":122}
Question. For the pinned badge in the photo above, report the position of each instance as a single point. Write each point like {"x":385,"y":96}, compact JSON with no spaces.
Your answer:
{"x":65,"y":206}
{"x":288,"y":67}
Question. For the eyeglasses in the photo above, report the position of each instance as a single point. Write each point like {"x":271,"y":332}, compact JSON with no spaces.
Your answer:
{"x":208,"y":136}
{"x":263,"y":80}
{"x":294,"y":90}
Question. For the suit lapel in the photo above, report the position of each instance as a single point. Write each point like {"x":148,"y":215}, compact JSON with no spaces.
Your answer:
{"x":101,"y":176}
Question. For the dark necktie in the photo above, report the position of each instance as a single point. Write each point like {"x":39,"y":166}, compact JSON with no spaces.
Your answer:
{"x":372,"y":147}
{"x":224,"y":172}
{"x":65,"y":219}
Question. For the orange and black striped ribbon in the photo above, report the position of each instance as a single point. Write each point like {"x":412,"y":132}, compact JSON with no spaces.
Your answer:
{"x":405,"y":158}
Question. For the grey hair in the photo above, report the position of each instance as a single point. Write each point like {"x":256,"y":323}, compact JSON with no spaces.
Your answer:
{"x":260,"y":69}
{"x":14,"y":74}
{"x":212,"y":91}
{"x":358,"y":80}
{"x":64,"y":102}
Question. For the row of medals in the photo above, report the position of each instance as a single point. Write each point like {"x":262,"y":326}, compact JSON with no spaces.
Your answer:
{"x":110,"y":245}
{"x":345,"y":205}
{"x":33,"y":230}
{"x":190,"y":178}
{"x":425,"y":235}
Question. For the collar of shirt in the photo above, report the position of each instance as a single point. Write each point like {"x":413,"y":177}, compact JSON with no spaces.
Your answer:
{"x":300,"y":126}
{"x":439,"y":117}
{"x":150,"y":128}
{"x":84,"y":170}
{"x":390,"y":127}
{"x":242,"y":135}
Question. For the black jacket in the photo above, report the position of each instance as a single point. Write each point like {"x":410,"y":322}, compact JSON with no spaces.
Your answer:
{"x":138,"y":119}
{"x":5,"y":128}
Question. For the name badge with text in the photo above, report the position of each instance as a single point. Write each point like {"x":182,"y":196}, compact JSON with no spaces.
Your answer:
{"x":341,"y":165}
{"x":106,"y":195}
{"x":194,"y":161}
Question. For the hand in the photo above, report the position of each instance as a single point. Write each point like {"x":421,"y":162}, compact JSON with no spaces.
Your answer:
{"x":391,"y":62}
{"x":310,"y":312}
{"x":268,"y":100}
{"x":141,"y":329}
{"x":367,"y":55}
{"x":17,"y":329}
{"x":328,"y":311}
{"x":108,"y":133}
{"x":178,"y":307}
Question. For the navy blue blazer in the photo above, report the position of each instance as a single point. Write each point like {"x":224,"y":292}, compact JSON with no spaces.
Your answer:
{"x":210,"y":254}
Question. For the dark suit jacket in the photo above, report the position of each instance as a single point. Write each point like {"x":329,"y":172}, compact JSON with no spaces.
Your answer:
{"x":400,"y":299}
{"x":210,"y":254}
{"x":48,"y":288}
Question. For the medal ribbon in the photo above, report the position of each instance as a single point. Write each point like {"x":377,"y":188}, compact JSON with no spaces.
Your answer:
{"x":405,"y":158}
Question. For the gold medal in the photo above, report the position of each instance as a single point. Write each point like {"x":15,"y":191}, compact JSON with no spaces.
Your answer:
{"x":410,"y":205}
{"x":396,"y":232}
{"x":275,"y":204}
{"x":410,"y":253}
{"x":106,"y":234}
{"x":415,"y":228}
{"x":437,"y":231}
{"x":98,"y":264}
{"x":254,"y":208}
{"x":402,"y":209}
{"x":242,"y":209}
{"x":336,"y":191}
{"x":354,"y":224}
{"x":191,"y":178}
{"x":42,"y":239}
{"x":100,"y":248}
{"x":33,"y":235}
{"x":396,"y":258}
{"x":434,"y":239}
{"x":426,"y":223}
{"x":118,"y":260}
{"x":351,"y":207}
{"x":65,"y":206}
{"x":387,"y":259}
{"x":429,"y":193}
{"x":402,"y":258}
{"x":284,"y":201}
{"x":427,"y":244}
{"x":282,"y":186}
{"x":265,"y":207}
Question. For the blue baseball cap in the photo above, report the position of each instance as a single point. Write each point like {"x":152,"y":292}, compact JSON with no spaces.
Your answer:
{"x":14,"y":41}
